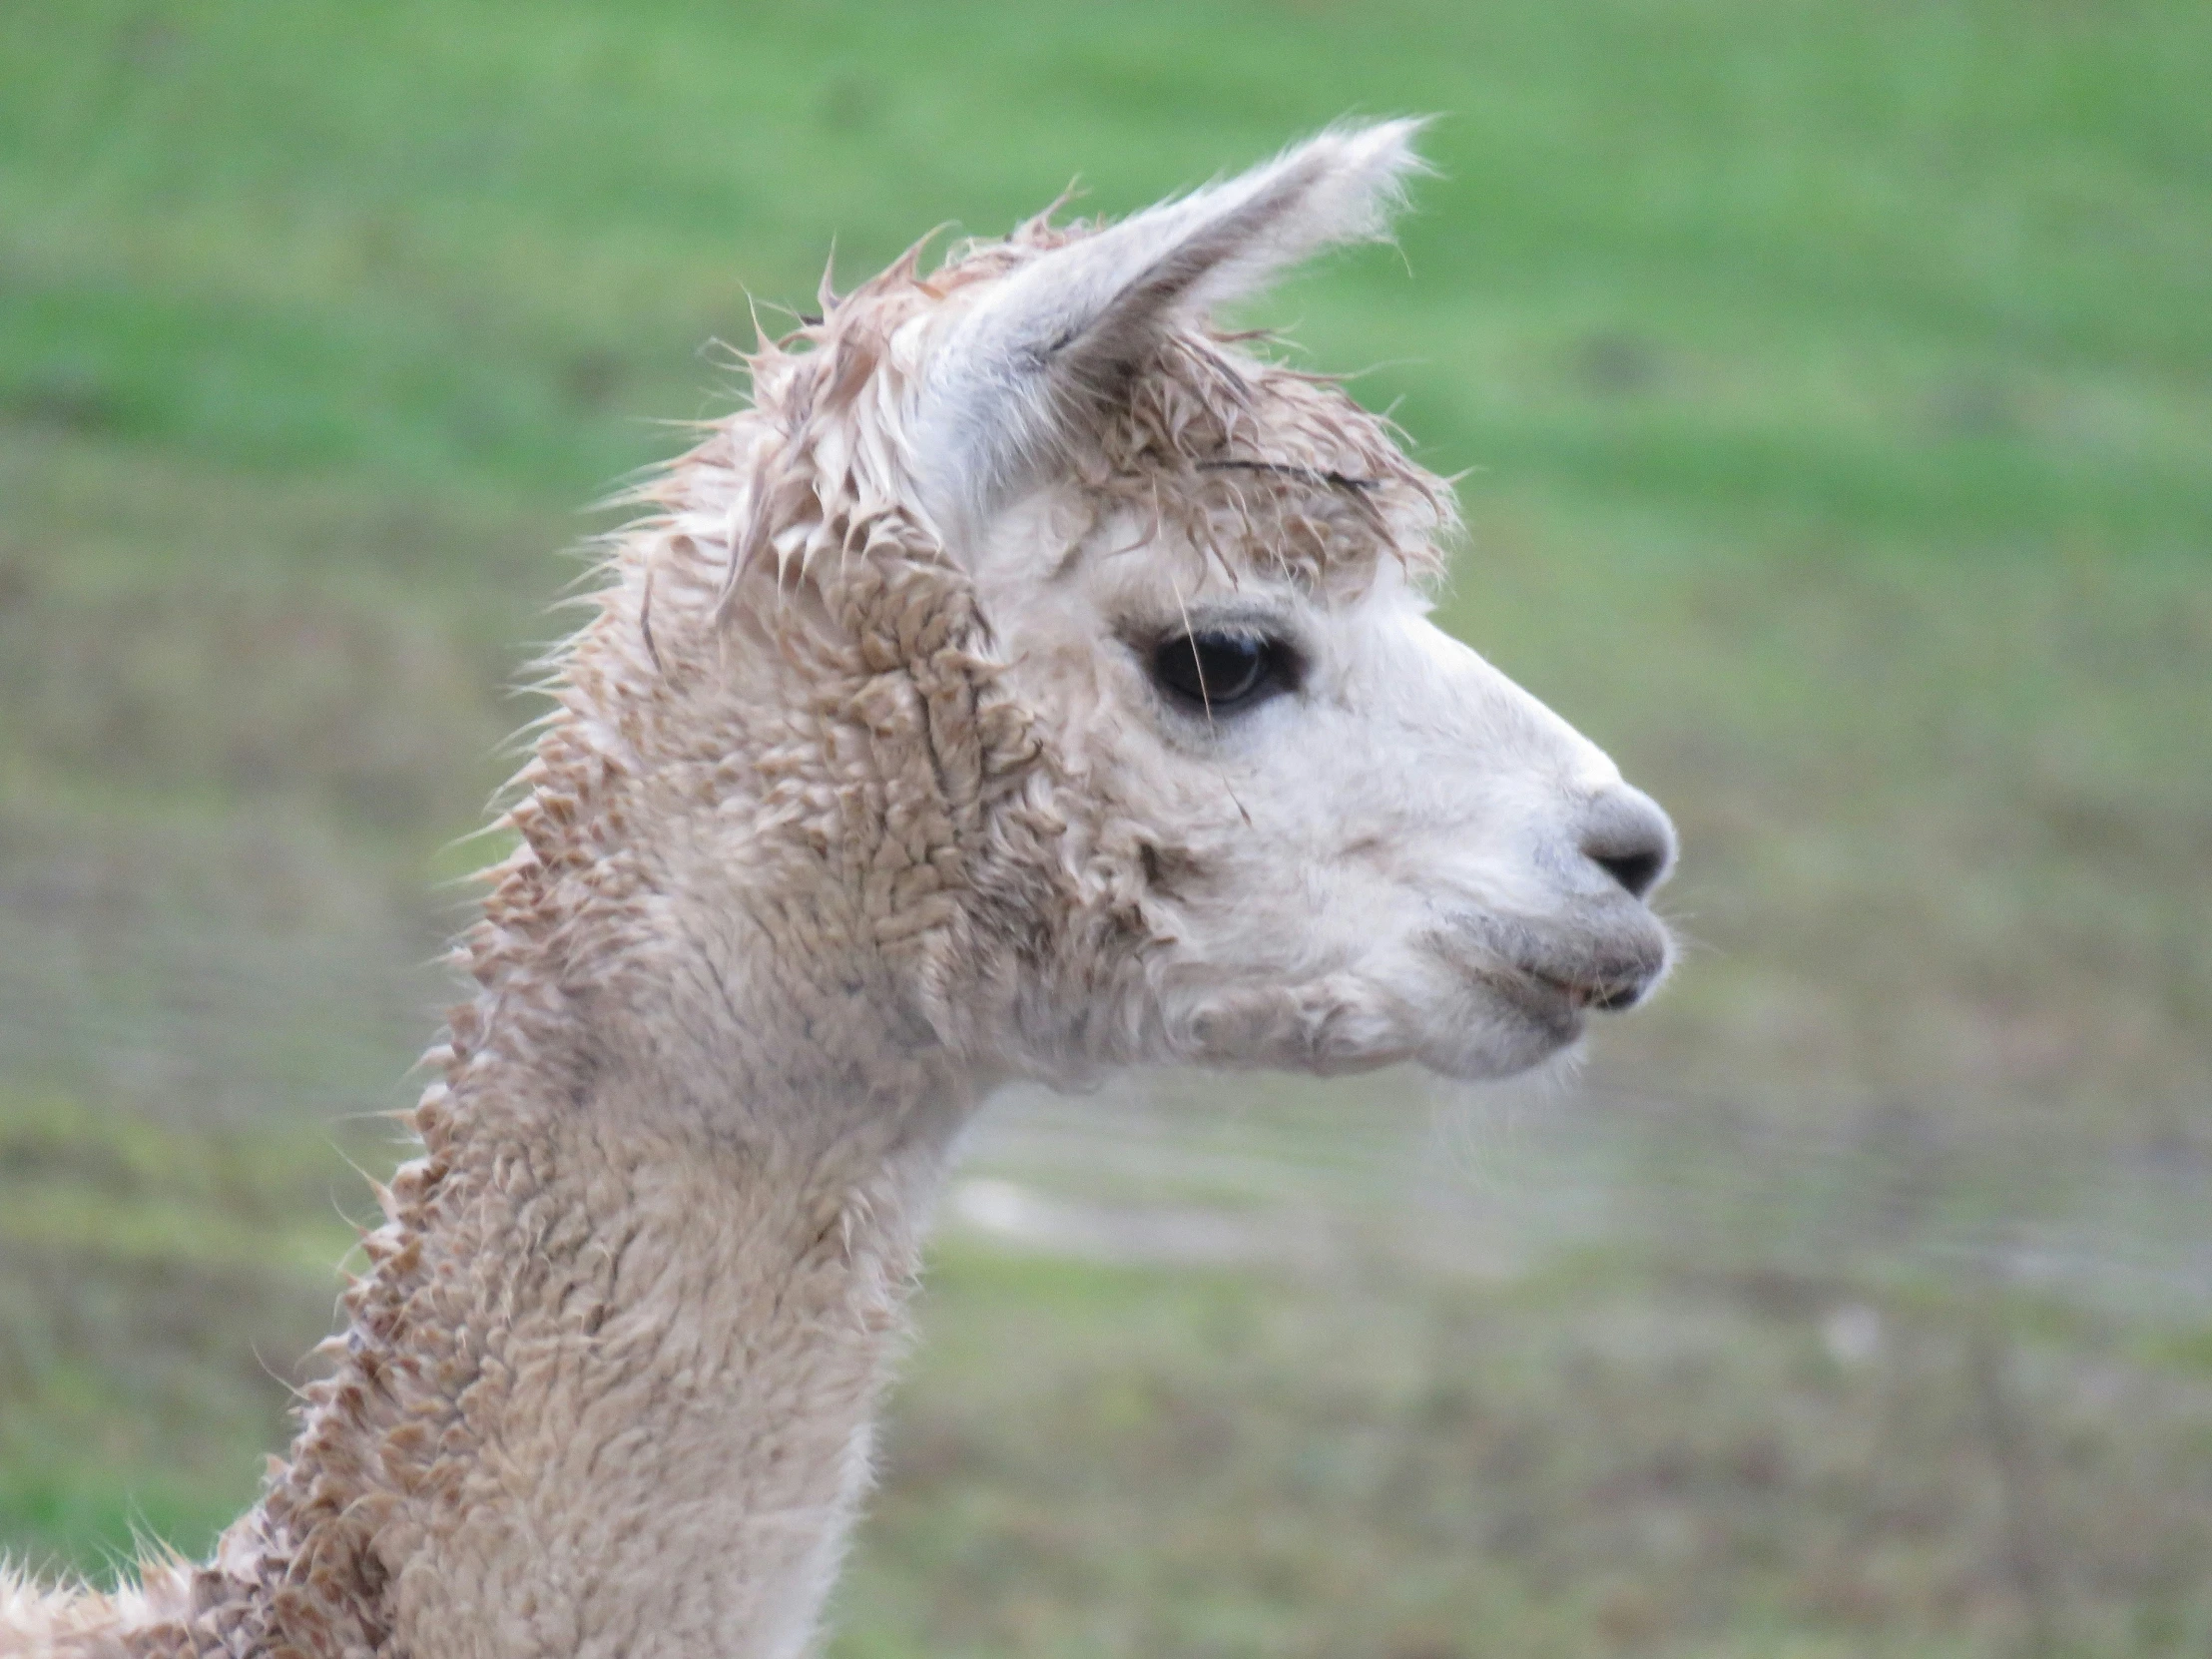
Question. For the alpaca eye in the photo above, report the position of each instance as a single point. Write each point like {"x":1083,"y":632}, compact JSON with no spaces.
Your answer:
{"x":1217,"y":672}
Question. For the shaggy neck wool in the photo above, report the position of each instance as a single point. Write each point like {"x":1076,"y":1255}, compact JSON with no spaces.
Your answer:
{"x":607,"y":1387}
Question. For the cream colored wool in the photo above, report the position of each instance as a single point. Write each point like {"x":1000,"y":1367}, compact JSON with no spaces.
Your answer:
{"x":858,"y":801}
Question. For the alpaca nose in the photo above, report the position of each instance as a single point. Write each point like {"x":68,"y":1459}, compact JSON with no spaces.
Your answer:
{"x":1626,"y":835}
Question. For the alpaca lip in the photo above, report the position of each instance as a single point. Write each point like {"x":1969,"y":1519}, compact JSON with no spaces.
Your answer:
{"x":1607,"y":997}
{"x":1607,"y":980}
{"x":1550,"y":1003}
{"x":1578,"y":996}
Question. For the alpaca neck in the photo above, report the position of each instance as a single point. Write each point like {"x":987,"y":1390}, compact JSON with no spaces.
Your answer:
{"x":608,"y":1387}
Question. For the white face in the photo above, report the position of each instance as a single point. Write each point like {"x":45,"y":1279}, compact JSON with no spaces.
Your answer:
{"x":1362,"y":844}
{"x":1355,"y":841}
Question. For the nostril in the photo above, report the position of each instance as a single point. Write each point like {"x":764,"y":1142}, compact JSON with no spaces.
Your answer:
{"x":1636,"y":871}
{"x":1628,"y":837}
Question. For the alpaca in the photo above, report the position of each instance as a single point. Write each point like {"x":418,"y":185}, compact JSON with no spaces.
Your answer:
{"x":1030,"y":682}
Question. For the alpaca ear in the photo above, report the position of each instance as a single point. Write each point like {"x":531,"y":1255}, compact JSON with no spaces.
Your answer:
{"x":1047,"y":349}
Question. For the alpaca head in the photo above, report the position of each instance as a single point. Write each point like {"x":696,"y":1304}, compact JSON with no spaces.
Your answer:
{"x":1120,"y":631}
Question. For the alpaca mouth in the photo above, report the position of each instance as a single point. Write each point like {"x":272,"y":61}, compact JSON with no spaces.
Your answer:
{"x":1554,"y":1007}
{"x":1609,"y":995}
{"x":1561,"y":986}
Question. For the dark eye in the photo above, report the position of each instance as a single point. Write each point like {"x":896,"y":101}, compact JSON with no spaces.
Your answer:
{"x":1217,"y":671}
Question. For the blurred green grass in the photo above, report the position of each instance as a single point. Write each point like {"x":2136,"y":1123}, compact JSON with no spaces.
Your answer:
{"x":1835,"y":390}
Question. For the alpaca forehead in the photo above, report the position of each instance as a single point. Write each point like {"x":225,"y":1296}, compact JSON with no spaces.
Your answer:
{"x":1147,"y":560}
{"x":1221,"y":527}
{"x":1239,"y":528}
{"x":1261,"y":471}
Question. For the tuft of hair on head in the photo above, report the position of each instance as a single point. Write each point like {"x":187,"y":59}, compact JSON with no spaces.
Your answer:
{"x":1045,"y":350}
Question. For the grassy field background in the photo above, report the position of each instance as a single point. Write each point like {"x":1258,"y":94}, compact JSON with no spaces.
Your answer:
{"x":1834,"y":385}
